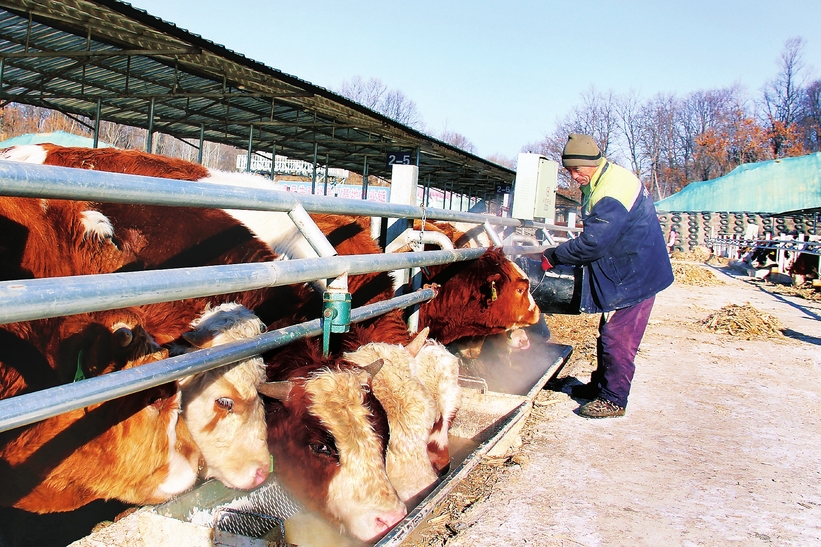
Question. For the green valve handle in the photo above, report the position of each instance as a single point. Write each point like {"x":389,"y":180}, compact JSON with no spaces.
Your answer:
{"x":336,"y":316}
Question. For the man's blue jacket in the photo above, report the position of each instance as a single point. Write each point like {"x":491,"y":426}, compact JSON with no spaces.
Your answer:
{"x":622,"y":248}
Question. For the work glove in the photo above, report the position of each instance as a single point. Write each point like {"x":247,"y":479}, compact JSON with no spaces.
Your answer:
{"x":548,"y":260}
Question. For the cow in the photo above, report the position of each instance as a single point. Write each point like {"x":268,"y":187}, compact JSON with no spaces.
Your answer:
{"x":804,"y":267}
{"x":135,"y":448}
{"x":411,"y":410}
{"x":46,"y":238}
{"x":50,"y":238}
{"x":221,"y":406}
{"x":328,"y":435}
{"x":438,"y":369}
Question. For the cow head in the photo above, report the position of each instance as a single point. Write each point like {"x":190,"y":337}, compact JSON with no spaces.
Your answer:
{"x":411,"y":411}
{"x":438,"y":369}
{"x":491,"y":293}
{"x":221,"y":406}
{"x":328,"y":434}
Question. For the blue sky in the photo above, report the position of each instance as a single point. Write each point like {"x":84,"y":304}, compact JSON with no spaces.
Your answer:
{"x":502,"y":73}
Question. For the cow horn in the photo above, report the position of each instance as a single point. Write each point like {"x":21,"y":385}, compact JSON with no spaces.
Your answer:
{"x":199,"y":338}
{"x":374,"y":367}
{"x":416,"y":345}
{"x":276,"y":390}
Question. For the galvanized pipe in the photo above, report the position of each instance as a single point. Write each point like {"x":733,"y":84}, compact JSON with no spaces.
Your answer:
{"x":492,"y":234}
{"x":34,"y":407}
{"x":57,"y":296}
{"x":417,"y":236}
{"x":310,"y":231}
{"x":48,"y":181}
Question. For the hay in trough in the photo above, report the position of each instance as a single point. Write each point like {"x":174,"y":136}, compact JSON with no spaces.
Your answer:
{"x":691,"y":274}
{"x":744,"y":322}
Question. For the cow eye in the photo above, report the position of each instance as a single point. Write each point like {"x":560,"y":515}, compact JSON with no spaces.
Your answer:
{"x":225,"y":404}
{"x":322,"y":449}
{"x":366,"y":388}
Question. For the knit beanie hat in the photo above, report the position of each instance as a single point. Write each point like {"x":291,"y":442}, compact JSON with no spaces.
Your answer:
{"x":580,"y":151}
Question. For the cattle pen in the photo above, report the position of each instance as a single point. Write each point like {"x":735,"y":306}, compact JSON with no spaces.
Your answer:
{"x":494,"y":404}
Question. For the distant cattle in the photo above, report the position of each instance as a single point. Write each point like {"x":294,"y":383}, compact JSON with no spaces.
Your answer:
{"x":804,"y":267}
{"x":328,"y":434}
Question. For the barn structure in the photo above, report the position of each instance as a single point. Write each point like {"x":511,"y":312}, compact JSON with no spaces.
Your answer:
{"x":106,"y":60}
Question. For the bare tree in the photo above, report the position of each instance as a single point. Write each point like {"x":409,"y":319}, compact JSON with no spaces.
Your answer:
{"x":782,"y":97}
{"x":375,"y":95}
{"x":628,"y":112}
{"x":657,"y":141}
{"x":502,"y":160}
{"x":811,"y":122}
{"x":366,"y":92}
{"x":458,"y":140}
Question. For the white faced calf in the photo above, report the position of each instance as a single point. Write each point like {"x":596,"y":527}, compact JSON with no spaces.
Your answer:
{"x":221,"y":406}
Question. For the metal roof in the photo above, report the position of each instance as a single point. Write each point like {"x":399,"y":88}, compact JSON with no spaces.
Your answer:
{"x":73,"y":55}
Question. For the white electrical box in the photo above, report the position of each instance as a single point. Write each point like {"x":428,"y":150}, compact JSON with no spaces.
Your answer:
{"x":534,"y":195}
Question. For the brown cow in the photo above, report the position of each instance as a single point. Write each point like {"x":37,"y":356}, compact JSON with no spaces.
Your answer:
{"x":489,"y":293}
{"x":328,"y":434}
{"x":67,"y":461}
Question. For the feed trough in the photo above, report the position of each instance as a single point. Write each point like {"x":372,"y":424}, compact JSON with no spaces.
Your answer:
{"x":498,"y":389}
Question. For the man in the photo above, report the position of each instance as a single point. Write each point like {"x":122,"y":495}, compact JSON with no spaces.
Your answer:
{"x":624,"y":258}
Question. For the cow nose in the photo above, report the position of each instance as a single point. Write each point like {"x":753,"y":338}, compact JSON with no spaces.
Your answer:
{"x":387,"y":520}
{"x":261,"y":475}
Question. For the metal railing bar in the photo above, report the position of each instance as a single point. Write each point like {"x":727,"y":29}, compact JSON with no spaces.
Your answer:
{"x":57,"y":296}
{"x":47,"y":181}
{"x":31,"y":299}
{"x":33,"y":407}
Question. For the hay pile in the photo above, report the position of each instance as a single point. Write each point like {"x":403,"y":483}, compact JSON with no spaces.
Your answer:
{"x":690,"y":274}
{"x":744,"y":322}
{"x":805,"y":292}
{"x":696,"y":254}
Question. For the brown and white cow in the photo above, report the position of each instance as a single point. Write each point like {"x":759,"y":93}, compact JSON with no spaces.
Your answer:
{"x":328,"y":434}
{"x":411,"y":411}
{"x":45,"y":238}
{"x":438,"y":370}
{"x":221,"y":406}
{"x":136,"y":448}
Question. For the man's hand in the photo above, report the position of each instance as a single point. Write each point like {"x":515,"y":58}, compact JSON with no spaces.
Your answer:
{"x":548,"y":260}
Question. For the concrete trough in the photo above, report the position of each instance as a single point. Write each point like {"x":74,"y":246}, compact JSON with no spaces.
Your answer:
{"x":498,"y":391}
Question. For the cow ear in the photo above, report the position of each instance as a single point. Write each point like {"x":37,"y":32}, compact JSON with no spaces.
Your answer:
{"x":491,"y":292}
{"x":416,"y":345}
{"x":374,"y":367}
{"x":276,"y":390}
{"x":198,"y":338}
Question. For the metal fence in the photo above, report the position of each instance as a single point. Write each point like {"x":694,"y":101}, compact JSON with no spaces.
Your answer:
{"x":24,"y":300}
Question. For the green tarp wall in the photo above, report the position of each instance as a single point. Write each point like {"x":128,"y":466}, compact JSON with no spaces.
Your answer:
{"x":57,"y":137}
{"x":777,"y":186}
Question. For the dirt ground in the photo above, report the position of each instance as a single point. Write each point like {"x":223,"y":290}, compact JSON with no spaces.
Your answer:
{"x":721,"y":443}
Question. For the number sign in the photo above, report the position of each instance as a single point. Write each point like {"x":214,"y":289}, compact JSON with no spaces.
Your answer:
{"x":399,"y":158}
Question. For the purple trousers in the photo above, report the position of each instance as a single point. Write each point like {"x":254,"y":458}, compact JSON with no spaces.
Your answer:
{"x":620,"y":333}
